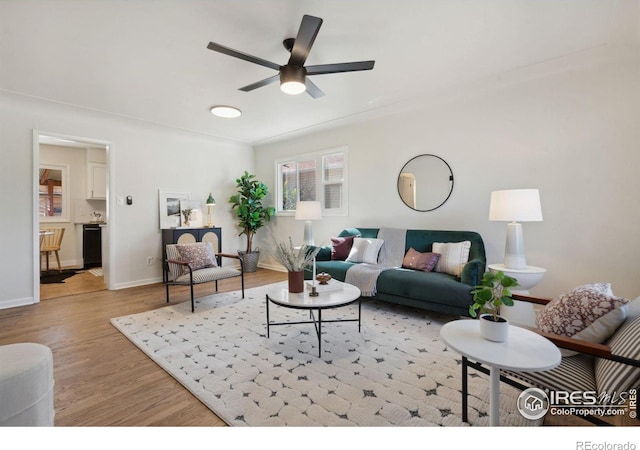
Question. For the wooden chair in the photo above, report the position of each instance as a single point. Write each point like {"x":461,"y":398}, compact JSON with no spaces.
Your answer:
{"x":181,"y":272}
{"x":50,"y":241}
{"x":595,"y":367}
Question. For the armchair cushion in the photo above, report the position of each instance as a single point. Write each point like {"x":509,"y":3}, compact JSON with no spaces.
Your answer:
{"x":614,"y":377}
{"x":590,"y":312}
{"x":199,"y":255}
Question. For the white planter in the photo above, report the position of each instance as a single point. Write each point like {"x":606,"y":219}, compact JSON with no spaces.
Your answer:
{"x":494,"y":331}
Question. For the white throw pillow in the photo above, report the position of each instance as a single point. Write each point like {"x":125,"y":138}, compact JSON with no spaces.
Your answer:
{"x":365,"y":250}
{"x":453,"y":256}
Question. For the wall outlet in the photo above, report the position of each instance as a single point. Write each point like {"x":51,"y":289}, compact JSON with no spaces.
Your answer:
{"x":149,"y":260}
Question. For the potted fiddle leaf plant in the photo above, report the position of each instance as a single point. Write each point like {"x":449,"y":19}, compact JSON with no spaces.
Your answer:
{"x":493,"y":292}
{"x":251,"y":214}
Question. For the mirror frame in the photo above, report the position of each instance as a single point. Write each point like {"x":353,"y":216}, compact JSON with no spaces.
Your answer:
{"x":451,"y":179}
{"x":64,"y":216}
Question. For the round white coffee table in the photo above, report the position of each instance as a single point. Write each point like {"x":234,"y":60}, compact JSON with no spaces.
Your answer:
{"x":523,"y":351}
{"x":344,"y":295}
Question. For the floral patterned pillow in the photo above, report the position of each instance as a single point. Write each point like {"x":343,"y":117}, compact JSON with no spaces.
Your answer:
{"x":590,"y":312}
{"x":199,"y":255}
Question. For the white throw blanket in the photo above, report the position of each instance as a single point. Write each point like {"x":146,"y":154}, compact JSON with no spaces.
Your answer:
{"x":365,"y":276}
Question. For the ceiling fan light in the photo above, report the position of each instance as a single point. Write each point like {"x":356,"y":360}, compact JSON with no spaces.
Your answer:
{"x":228,"y":112}
{"x":292,"y":80}
{"x":293,"y":87}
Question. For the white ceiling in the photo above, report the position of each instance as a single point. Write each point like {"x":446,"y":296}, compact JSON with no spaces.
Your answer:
{"x":148,"y":59}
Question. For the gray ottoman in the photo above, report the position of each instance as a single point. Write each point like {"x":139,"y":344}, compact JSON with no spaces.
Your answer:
{"x":26,"y":385}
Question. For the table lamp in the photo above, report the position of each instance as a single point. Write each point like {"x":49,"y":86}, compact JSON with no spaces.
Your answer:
{"x":210,"y":203}
{"x":513,"y":206}
{"x":308,"y":211}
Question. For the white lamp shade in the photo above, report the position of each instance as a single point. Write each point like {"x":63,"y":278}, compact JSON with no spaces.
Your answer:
{"x":308,"y":210}
{"x":515,"y":205}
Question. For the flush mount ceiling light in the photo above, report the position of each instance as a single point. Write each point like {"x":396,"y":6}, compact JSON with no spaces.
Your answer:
{"x":228,"y":112}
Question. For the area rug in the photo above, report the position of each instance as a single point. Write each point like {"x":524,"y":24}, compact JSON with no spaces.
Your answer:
{"x":395,"y":372}
{"x":97,"y":272}
{"x":53,"y":276}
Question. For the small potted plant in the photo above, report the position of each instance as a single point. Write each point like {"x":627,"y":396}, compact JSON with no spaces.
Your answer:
{"x":493,"y":293}
{"x":294,"y":259}
{"x":186,"y":213}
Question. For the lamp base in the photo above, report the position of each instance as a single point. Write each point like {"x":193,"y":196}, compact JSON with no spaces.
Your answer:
{"x":308,"y":233}
{"x":514,"y":249}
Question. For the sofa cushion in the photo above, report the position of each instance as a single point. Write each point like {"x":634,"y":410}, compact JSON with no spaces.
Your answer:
{"x":420,"y":261}
{"x":365,"y":250}
{"x":614,"y":377}
{"x":453,"y":256}
{"x":341,"y":247}
{"x":425,"y":287}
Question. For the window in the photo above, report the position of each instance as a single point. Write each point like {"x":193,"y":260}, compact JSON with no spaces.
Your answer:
{"x":319,"y":176}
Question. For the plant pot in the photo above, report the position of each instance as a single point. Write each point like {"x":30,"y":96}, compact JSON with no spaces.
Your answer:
{"x":250,"y":260}
{"x":494,"y":331}
{"x":296,"y":282}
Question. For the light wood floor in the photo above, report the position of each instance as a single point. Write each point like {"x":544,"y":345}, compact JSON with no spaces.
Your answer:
{"x":101,"y":378}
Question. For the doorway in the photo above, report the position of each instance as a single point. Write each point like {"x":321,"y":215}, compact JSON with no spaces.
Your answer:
{"x":71,"y":215}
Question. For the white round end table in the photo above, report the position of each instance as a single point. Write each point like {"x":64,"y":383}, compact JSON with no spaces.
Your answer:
{"x":523,"y":351}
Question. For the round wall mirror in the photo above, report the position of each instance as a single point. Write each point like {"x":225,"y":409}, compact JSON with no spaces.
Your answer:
{"x":425,"y":182}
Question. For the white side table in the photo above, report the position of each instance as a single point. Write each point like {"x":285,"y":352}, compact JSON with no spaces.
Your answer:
{"x":521,"y":313}
{"x":523,"y":351}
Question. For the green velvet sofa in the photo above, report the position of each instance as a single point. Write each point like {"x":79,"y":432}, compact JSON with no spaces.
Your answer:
{"x":439,"y":292}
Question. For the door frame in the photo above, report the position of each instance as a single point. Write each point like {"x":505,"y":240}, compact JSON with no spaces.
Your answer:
{"x":110,"y":211}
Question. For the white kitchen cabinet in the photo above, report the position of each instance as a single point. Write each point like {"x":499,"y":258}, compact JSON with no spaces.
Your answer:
{"x":96,"y":180}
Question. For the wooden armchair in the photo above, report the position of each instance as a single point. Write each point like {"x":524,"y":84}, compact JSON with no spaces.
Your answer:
{"x":180,"y":271}
{"x":611,"y":368}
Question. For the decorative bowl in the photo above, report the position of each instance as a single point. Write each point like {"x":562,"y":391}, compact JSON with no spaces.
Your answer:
{"x":323,"y":278}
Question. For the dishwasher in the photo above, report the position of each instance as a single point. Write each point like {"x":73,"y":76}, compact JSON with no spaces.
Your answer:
{"x":92,"y":245}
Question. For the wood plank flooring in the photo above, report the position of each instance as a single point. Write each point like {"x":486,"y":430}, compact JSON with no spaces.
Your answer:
{"x":102,"y":379}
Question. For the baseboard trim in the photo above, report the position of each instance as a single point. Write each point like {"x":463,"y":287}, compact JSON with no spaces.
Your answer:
{"x":15,"y":302}
{"x":136,"y":283}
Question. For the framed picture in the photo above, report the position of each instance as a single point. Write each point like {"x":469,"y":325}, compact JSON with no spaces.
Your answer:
{"x":170,"y":216}
{"x":195,"y":216}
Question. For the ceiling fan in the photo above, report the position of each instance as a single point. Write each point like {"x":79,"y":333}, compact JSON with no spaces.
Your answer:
{"x":293,"y":75}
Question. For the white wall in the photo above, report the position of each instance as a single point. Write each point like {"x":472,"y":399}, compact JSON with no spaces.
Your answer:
{"x":145,"y":157}
{"x":568,"y":128}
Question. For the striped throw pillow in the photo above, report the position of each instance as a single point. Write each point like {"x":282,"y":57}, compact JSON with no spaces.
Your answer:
{"x":453,"y":256}
{"x":365,"y":250}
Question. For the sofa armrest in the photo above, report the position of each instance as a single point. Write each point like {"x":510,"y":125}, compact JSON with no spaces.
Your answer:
{"x":324,"y":254}
{"x":472,"y":272}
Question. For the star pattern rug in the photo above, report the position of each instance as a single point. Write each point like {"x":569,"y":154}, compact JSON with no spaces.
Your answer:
{"x":395,"y":372}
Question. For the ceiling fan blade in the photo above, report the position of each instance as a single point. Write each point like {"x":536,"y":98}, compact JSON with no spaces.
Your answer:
{"x":259,"y":84}
{"x":313,"y":90}
{"x":304,"y":40}
{"x":236,"y":54}
{"x":340,"y":67}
